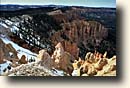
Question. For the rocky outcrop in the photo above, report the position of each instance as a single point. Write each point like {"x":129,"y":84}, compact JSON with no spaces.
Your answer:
{"x":71,"y":48}
{"x":73,"y":28}
{"x":30,"y":70}
{"x":68,"y":46}
{"x":4,"y":30}
{"x":8,"y":53}
{"x":45,"y":59}
{"x":23,"y":60}
{"x":80,"y":31}
{"x":12,"y":50}
{"x":85,"y":35}
{"x":1,"y":51}
{"x":62,"y":59}
{"x":96,"y":66}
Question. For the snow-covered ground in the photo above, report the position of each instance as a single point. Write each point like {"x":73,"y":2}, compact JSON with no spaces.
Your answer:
{"x":3,"y":66}
{"x":13,"y":27}
{"x":4,"y":25}
{"x":21,"y":51}
{"x":27,"y":53}
{"x":6,"y":40}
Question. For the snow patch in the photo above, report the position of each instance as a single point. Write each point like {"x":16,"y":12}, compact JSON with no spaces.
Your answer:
{"x":4,"y":25}
{"x":21,"y":51}
{"x":4,"y":66}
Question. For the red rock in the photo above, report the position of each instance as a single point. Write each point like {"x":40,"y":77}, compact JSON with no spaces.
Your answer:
{"x":1,"y":57}
{"x":2,"y":45}
{"x":23,"y":60}
{"x":5,"y":50}
{"x":79,"y":32}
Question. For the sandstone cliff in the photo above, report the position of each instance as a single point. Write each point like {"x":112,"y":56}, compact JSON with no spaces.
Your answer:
{"x":80,"y":34}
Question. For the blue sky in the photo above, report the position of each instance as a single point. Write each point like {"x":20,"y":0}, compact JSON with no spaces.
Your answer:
{"x":90,"y":3}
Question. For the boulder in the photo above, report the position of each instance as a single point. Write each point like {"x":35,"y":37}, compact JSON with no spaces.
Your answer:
{"x":23,"y":60}
{"x":12,"y":50}
{"x":91,"y":70}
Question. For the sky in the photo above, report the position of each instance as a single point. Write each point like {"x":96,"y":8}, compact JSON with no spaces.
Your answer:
{"x":89,"y":3}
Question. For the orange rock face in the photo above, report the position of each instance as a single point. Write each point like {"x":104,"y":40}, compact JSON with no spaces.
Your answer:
{"x":45,"y":59}
{"x":1,"y":57}
{"x":68,"y":46}
{"x":23,"y":60}
{"x":62,"y":59}
{"x":71,"y":48}
{"x":11,"y":49}
{"x":2,"y":46}
{"x":80,"y":33}
{"x":96,"y":65}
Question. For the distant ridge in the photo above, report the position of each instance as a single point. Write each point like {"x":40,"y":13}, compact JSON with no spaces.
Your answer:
{"x":13,"y":7}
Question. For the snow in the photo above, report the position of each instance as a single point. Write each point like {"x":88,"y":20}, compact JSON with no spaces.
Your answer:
{"x":58,"y":72}
{"x":8,"y":22}
{"x":21,"y":51}
{"x":28,"y":54}
{"x":75,"y":72}
{"x":3,"y":66}
{"x":14,"y":28}
{"x":4,"y":25}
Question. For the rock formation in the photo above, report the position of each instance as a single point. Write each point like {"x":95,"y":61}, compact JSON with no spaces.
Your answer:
{"x":62,"y":59}
{"x":71,"y":48}
{"x":12,"y":50}
{"x":45,"y":59}
{"x":80,"y":34}
{"x":30,"y":70}
{"x":7,"y":52}
{"x":23,"y":60}
{"x":80,"y":31}
{"x":98,"y":66}
{"x":1,"y":51}
{"x":94,"y":64}
{"x":4,"y":31}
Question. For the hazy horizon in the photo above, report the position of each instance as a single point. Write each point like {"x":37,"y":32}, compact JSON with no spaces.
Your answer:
{"x":59,"y":5}
{"x":86,"y":3}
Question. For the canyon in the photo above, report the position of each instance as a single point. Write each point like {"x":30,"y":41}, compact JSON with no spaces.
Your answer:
{"x":79,"y":30}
